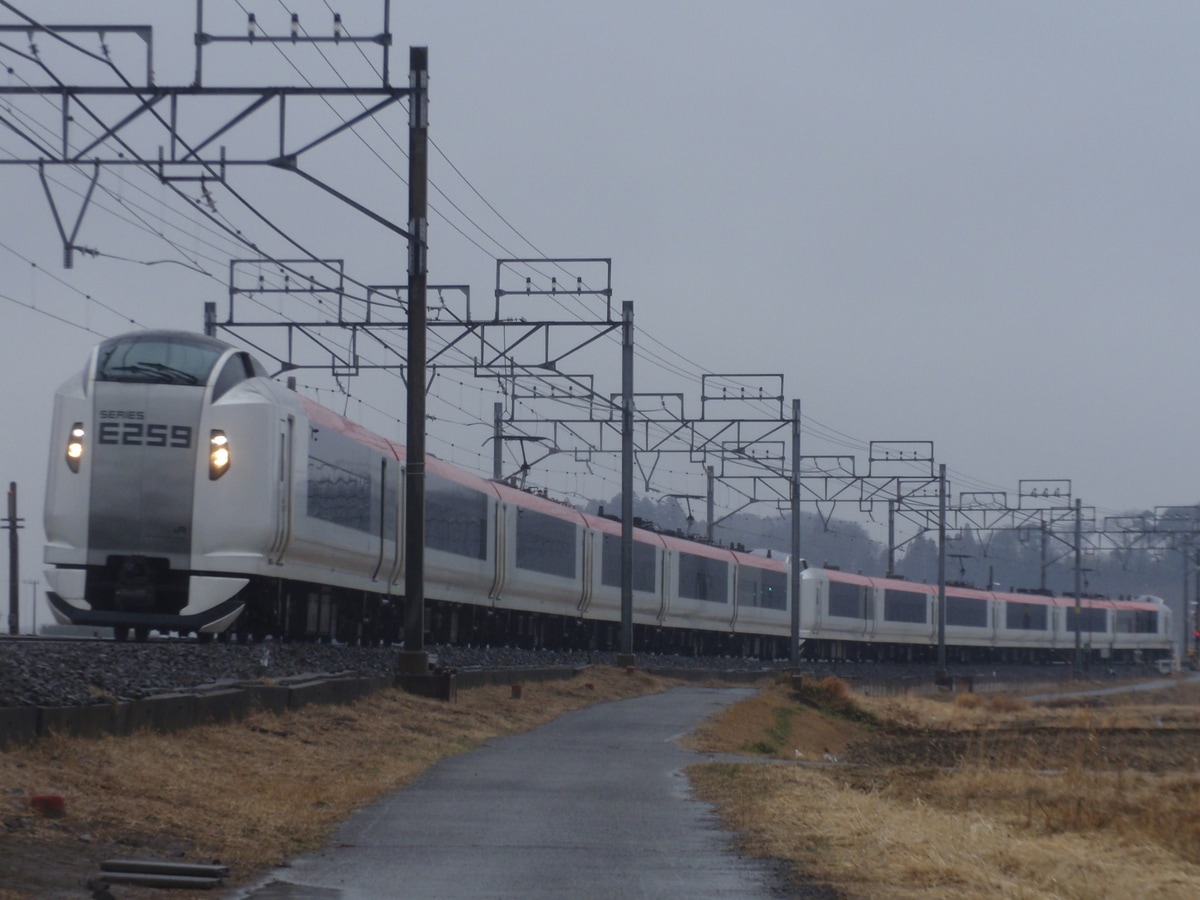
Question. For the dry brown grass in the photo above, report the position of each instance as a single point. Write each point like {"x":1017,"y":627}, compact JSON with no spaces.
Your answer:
{"x":257,"y":792}
{"x":996,"y":823}
{"x":946,"y":797}
{"x":771,"y":725}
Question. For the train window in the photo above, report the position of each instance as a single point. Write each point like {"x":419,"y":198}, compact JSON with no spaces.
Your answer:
{"x":340,"y":482}
{"x":236,"y":370}
{"x":456,"y":518}
{"x":1134,"y":621}
{"x":703,"y":578}
{"x":338,"y":495}
{"x":545,"y":543}
{"x":762,"y":588}
{"x":158,"y":358}
{"x":1026,"y":616}
{"x":970,"y":612}
{"x":748,"y":586}
{"x":849,"y":601}
{"x":772,"y":590}
{"x":905,"y":606}
{"x":1093,"y":620}
{"x":645,"y":568}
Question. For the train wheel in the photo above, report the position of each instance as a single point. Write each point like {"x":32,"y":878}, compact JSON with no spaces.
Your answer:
{"x":141,"y":633}
{"x":120,"y":635}
{"x":204,"y":637}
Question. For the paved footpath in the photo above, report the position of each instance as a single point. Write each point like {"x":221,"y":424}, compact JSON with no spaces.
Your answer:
{"x":593,"y":804}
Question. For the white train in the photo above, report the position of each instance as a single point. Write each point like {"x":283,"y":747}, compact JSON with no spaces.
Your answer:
{"x":857,"y":617}
{"x":189,"y":492}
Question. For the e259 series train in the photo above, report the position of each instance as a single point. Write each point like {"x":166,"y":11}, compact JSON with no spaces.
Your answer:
{"x":189,"y":492}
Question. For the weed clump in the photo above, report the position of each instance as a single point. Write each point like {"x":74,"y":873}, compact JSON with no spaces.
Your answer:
{"x":1006,"y":704}
{"x":968,"y":701}
{"x":832,"y":697}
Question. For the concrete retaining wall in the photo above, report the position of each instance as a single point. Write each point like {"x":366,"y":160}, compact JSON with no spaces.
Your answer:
{"x":231,"y":702}
{"x":176,"y":712}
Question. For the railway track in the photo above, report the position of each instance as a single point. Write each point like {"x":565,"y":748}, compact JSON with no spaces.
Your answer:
{"x":62,"y":672}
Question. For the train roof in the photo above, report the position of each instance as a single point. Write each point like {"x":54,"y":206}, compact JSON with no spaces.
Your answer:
{"x":759,"y":561}
{"x":335,"y":421}
{"x":613,"y":526}
{"x":167,"y":334}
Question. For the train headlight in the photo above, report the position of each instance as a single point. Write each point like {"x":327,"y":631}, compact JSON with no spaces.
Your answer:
{"x":218,"y":454}
{"x":75,"y":446}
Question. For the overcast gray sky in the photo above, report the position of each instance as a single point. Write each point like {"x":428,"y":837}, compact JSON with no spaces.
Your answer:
{"x":967,"y":223}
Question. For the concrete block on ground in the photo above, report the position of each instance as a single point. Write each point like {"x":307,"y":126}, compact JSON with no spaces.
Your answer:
{"x":438,"y":686}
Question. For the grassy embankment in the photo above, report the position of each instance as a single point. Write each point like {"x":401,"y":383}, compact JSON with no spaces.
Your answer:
{"x":253,"y":793}
{"x":966,"y":797}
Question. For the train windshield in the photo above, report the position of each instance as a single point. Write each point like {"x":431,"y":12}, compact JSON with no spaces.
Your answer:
{"x":158,"y":358}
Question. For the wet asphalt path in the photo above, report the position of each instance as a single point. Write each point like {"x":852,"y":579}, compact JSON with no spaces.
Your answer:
{"x":594,"y":804}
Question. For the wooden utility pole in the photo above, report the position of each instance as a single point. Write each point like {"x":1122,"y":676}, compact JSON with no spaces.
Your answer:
{"x":414,"y":660}
{"x":626,"y":657}
{"x":941,"y":620}
{"x":13,"y":524}
{"x":794,"y":568}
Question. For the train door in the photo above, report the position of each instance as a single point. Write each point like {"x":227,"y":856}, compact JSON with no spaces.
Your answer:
{"x":388,"y":530}
{"x":589,"y":573}
{"x":664,"y":585}
{"x":501,"y":550}
{"x":397,"y":503}
{"x":283,"y":491}
{"x":733,"y":613}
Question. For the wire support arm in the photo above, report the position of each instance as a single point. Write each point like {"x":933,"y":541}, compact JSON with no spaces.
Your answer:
{"x":289,"y":164}
{"x":69,"y":245}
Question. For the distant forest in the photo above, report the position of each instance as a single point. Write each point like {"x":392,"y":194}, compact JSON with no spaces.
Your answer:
{"x":1008,"y":560}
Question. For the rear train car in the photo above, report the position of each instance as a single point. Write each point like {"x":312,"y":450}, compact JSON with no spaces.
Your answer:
{"x":845,"y":616}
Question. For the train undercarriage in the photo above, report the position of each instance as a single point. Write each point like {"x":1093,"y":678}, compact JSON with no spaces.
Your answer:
{"x":825,"y":650}
{"x":297,"y":611}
